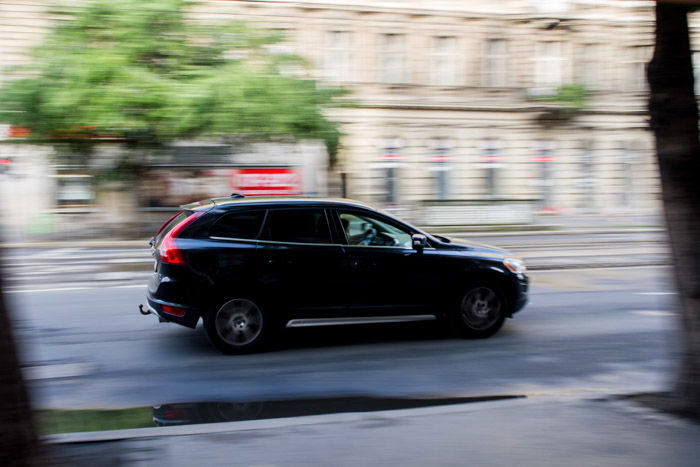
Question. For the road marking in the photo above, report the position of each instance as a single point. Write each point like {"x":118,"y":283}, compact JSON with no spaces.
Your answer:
{"x":92,"y":287}
{"x":653,"y":313}
{"x":657,"y":293}
{"x":565,"y":392}
{"x":60,"y":370}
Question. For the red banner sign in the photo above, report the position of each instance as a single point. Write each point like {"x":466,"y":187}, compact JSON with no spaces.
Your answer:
{"x":267,"y":181}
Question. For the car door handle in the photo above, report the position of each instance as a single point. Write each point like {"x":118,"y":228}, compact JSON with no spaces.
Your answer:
{"x":277,"y":262}
{"x":359,"y":263}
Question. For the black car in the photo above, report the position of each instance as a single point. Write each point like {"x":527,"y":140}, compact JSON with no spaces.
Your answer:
{"x":251,"y":266}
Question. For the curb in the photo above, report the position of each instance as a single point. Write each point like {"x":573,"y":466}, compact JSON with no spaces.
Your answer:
{"x":581,"y":395}
{"x":249,"y":425}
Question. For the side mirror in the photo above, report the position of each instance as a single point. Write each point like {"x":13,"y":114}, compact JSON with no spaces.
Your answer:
{"x":419,"y":242}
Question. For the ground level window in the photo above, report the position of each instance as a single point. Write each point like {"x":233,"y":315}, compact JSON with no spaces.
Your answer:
{"x":74,"y":191}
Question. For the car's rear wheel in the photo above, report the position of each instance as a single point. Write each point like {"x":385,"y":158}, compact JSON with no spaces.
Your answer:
{"x":481,"y":310}
{"x":238,"y":326}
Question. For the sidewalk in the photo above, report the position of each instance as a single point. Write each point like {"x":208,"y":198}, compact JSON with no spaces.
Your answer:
{"x":544,"y":430}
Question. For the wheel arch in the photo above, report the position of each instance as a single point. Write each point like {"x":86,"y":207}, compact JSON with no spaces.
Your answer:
{"x":492,"y":274}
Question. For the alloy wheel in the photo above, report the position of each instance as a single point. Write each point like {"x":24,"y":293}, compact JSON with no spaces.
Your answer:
{"x":481,"y":308}
{"x":239,"y":322}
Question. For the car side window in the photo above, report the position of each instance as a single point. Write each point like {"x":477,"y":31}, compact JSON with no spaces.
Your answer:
{"x":242,"y":224}
{"x":297,"y":226}
{"x":367,"y":230}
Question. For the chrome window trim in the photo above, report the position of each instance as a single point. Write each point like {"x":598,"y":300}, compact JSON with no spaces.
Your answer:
{"x":249,"y":240}
{"x":297,"y":243}
{"x":244,"y":240}
{"x":384,"y":246}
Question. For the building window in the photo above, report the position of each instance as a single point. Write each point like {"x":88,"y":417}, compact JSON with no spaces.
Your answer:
{"x":390,"y":161}
{"x":589,"y":69}
{"x":338,"y":54}
{"x":443,"y":61}
{"x":491,"y":160}
{"x":587,"y":176}
{"x":544,"y":157}
{"x":636,"y":68}
{"x":495,"y":63}
{"x":440,"y":165}
{"x":393,"y":58}
{"x":549,"y":65}
{"x":630,"y":161}
{"x":74,"y":190}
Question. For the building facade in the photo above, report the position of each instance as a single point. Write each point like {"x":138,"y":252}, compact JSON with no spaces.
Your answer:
{"x":463,"y":100}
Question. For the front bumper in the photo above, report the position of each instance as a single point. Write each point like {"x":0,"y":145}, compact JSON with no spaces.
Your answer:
{"x":521,"y":294}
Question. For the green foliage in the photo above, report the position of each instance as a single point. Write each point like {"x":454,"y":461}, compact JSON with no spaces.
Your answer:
{"x":571,"y":96}
{"x":68,"y":421}
{"x":145,"y":72}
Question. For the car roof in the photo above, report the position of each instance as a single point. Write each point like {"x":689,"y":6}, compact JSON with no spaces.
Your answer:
{"x":273,"y":201}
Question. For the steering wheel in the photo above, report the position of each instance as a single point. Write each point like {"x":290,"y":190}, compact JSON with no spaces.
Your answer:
{"x":368,"y":236}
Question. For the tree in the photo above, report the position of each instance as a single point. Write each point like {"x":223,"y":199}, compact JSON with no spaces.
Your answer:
{"x":674,"y":120}
{"x":142,"y":72}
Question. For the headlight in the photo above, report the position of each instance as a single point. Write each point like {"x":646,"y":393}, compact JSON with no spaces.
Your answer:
{"x":515,"y":265}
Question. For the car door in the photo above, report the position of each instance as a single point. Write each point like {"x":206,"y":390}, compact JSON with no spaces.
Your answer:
{"x":300,"y":263}
{"x":384,"y":274}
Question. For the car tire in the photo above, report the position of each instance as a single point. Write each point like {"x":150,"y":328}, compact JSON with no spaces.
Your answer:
{"x":480,"y":310}
{"x":237,"y":326}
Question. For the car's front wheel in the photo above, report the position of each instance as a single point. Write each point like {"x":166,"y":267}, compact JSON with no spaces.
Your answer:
{"x":237,"y":326}
{"x":481,"y":310}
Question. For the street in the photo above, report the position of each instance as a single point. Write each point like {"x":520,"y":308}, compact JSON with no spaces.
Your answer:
{"x":585,"y":330}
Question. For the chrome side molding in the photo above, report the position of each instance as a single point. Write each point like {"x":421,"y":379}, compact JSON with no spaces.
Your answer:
{"x":311,"y":322}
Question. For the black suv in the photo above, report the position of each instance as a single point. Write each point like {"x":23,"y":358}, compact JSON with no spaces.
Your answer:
{"x":251,"y":266}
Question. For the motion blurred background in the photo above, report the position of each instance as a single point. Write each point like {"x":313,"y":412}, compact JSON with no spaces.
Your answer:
{"x":446,"y":112}
{"x":518,"y":123}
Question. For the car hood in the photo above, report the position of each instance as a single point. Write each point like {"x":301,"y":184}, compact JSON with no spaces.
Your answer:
{"x":475,"y":248}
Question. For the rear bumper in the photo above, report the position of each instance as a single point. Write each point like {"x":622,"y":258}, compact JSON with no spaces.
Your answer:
{"x":189,"y":318}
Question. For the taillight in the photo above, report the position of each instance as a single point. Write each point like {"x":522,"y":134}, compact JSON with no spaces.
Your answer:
{"x":168,"y":250}
{"x":173,"y":310}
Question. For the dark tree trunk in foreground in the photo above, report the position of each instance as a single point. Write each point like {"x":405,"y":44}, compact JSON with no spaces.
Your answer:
{"x":19,"y":445}
{"x":674,"y":120}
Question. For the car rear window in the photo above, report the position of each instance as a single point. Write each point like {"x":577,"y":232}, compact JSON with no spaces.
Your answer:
{"x":297,"y":226}
{"x":170,"y":225}
{"x":242,"y":224}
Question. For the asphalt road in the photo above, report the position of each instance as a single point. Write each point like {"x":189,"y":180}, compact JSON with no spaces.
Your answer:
{"x":608,"y":330}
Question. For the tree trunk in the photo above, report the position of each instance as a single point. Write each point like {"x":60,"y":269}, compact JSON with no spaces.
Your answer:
{"x":19,"y":445}
{"x":674,"y":120}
